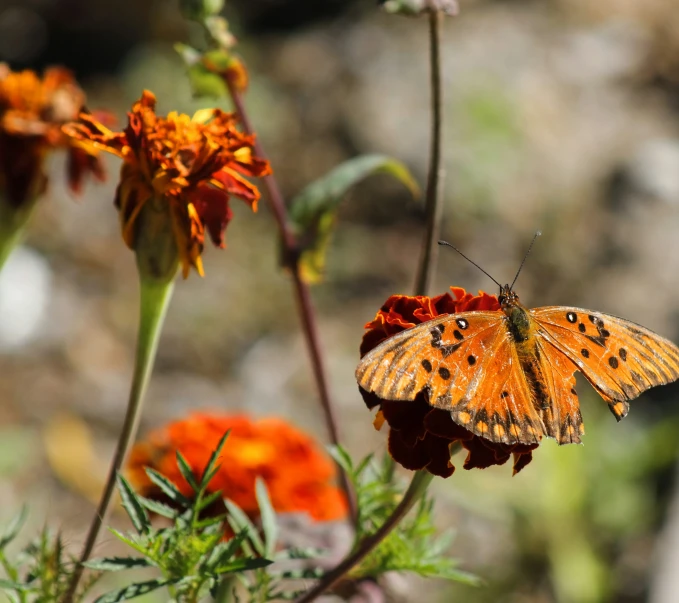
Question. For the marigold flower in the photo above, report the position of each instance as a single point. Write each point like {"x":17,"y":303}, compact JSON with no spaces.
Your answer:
{"x":32,"y":112}
{"x":190,"y":164}
{"x":420,"y":435}
{"x":295,"y":469}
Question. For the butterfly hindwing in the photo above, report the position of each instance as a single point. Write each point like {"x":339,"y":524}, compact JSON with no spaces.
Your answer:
{"x":499,"y":406}
{"x":619,"y":358}
{"x":561,"y":411}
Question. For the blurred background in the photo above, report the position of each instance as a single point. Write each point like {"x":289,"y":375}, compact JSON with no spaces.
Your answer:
{"x":560,"y":115}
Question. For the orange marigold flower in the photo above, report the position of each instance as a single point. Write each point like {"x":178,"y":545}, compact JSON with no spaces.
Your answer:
{"x":297,"y":473}
{"x":420,"y":435}
{"x":192,"y":164}
{"x":32,"y":112}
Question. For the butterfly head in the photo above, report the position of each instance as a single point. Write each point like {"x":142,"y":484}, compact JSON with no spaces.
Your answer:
{"x":507,"y":298}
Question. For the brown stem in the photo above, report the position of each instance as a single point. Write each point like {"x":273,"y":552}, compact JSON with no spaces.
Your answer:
{"x":418,"y":486}
{"x":304,"y":302}
{"x":421,"y":479}
{"x":433,"y":205}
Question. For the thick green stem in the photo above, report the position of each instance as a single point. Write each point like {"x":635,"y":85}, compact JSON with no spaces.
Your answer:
{"x":13,"y":222}
{"x":155,"y":298}
{"x":418,"y":486}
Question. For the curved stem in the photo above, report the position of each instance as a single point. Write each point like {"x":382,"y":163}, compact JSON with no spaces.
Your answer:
{"x":155,"y":298}
{"x":418,"y":486}
{"x":304,"y":302}
{"x":435,"y":175}
{"x":13,"y":221}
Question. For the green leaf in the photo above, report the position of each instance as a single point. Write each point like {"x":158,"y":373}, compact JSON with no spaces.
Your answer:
{"x":224,"y":551}
{"x":242,"y":565}
{"x":312,"y":212}
{"x":187,"y":472}
{"x":133,"y":590}
{"x":206,"y":501}
{"x":128,"y":541}
{"x":13,"y":527}
{"x":212,"y":467}
{"x":131,"y":504}
{"x":10,"y":585}
{"x":157,"y":507}
{"x":301,"y":553}
{"x":167,"y":487}
{"x":268,"y":518}
{"x":242,"y":522}
{"x":341,"y":456}
{"x":115,"y":564}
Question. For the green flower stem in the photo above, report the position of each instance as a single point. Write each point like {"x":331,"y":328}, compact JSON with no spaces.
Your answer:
{"x":416,"y":489}
{"x":155,"y":298}
{"x":13,"y":222}
{"x":435,"y":175}
{"x":303,"y":295}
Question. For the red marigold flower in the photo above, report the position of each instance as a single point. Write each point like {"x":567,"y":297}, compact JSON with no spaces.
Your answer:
{"x":420,"y":435}
{"x":192,"y":164}
{"x":32,"y":112}
{"x":296,"y":471}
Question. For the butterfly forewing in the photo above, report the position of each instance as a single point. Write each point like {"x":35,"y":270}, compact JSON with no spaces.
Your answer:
{"x":467,"y":364}
{"x":619,"y":358}
{"x":427,"y":355}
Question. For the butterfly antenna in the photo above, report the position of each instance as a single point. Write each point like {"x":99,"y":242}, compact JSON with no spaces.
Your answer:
{"x":537,"y":234}
{"x":470,"y":261}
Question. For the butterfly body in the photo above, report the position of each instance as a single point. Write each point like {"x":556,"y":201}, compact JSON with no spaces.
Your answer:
{"x":508,"y":374}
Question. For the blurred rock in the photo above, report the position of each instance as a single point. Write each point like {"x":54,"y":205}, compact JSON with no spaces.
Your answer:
{"x":25,"y":289}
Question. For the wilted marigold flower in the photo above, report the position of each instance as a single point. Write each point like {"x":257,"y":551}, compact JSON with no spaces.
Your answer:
{"x":32,"y":112}
{"x":189,"y":165}
{"x":296,"y":471}
{"x":420,"y":436}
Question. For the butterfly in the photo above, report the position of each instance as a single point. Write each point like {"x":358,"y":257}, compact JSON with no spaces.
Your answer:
{"x":508,"y":375}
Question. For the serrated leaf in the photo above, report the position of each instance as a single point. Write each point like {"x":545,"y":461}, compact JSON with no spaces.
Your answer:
{"x":342,"y":458}
{"x":167,"y":487}
{"x":157,"y":507}
{"x":301,"y":553}
{"x":128,"y":541}
{"x":312,"y":212}
{"x":236,"y":528}
{"x":13,"y":527}
{"x":242,"y":565}
{"x":131,"y":504}
{"x":224,"y":551}
{"x":115,"y":564}
{"x":242,"y":521}
{"x":133,"y":590}
{"x":187,"y":472}
{"x":302,"y":574}
{"x":211,"y":466}
{"x":209,"y":522}
{"x":267,"y":517}
{"x":206,"y":501}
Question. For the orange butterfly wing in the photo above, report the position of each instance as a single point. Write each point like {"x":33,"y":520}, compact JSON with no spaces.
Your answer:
{"x":619,"y":358}
{"x":467,"y":364}
{"x":560,"y":409}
